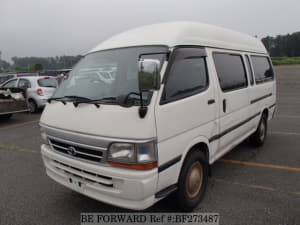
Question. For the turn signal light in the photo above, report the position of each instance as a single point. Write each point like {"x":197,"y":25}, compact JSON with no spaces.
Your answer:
{"x":148,"y":166}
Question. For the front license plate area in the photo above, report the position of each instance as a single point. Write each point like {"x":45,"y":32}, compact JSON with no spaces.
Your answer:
{"x":76,"y":183}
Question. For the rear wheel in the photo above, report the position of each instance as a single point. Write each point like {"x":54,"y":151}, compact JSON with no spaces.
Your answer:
{"x":192,"y":181}
{"x":259,"y":136}
{"x":32,"y":106}
{"x":5,"y":116}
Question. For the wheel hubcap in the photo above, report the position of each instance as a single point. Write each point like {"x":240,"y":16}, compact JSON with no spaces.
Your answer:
{"x":194,"y":180}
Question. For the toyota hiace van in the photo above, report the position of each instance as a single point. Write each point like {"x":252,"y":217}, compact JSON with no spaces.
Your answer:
{"x":178,"y":97}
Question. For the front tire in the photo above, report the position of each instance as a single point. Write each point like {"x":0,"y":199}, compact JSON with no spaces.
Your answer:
{"x":192,"y":181}
{"x":258,"y":138}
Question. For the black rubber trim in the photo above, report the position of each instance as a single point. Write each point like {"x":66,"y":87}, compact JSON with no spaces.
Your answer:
{"x":260,"y":98}
{"x":271,"y":106}
{"x":166,"y":191}
{"x":210,"y":101}
{"x":213,"y":138}
{"x":169,"y":164}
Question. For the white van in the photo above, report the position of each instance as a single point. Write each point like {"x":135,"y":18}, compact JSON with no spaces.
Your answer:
{"x":181,"y":95}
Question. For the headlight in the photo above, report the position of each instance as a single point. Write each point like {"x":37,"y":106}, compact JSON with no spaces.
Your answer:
{"x":142,"y":156}
{"x":122,"y":152}
{"x":44,"y":135}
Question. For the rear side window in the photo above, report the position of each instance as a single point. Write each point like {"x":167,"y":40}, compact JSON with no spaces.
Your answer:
{"x":47,"y":82}
{"x":250,"y":72}
{"x":187,"y":75}
{"x":24,"y":83}
{"x":230,"y":70}
{"x":262,"y":69}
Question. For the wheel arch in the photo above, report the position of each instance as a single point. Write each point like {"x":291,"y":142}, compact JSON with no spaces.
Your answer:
{"x":31,"y":99}
{"x":265,"y":112}
{"x":199,"y":144}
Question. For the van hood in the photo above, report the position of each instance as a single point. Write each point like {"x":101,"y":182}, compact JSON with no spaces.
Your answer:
{"x":108,"y":120}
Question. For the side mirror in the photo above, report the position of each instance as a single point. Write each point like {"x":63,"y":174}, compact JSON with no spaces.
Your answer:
{"x":149,"y":76}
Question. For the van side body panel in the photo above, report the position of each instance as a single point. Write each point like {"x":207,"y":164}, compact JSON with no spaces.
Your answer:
{"x":182,"y":124}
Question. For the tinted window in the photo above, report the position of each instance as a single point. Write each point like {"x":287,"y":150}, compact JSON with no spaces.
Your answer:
{"x":230,"y":70}
{"x":262,"y":69}
{"x":48,"y":82}
{"x":24,"y":83}
{"x":250,"y":72}
{"x":10,"y":84}
{"x":187,"y":74}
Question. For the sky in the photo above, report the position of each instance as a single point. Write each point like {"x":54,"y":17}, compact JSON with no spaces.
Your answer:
{"x":70,"y":27}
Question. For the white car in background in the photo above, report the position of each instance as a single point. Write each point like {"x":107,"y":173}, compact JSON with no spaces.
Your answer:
{"x":39,"y":89}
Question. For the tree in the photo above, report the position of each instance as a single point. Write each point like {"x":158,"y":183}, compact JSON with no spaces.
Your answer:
{"x":38,"y":67}
{"x":4,"y":65}
{"x":283,"y":45}
{"x":58,"y":62}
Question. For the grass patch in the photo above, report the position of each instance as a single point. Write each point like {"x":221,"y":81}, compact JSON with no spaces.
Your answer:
{"x":285,"y":60}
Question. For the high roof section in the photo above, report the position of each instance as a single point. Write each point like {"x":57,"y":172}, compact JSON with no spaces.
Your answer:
{"x":183,"y":33}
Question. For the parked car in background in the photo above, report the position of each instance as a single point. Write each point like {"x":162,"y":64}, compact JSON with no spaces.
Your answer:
{"x":5,"y":77}
{"x":10,"y":75}
{"x":38,"y":89}
{"x":55,"y":73}
{"x":12,"y":100}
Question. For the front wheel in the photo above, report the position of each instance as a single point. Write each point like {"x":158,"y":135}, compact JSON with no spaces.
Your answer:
{"x":192,"y":181}
{"x":259,"y":136}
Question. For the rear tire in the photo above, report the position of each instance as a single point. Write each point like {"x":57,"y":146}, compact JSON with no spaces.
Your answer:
{"x":32,"y":106}
{"x":192,"y":181}
{"x":258,"y":138}
{"x":5,"y":116}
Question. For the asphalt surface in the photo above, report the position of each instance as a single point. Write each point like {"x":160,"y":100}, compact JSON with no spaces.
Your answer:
{"x":249,"y":185}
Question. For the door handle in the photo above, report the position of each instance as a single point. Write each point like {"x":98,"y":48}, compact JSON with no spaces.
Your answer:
{"x":210,"y":101}
{"x":224,"y":105}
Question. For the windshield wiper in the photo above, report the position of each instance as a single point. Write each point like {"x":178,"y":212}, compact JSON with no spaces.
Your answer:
{"x":75,"y":97}
{"x":56,"y":99}
{"x":95,"y":101}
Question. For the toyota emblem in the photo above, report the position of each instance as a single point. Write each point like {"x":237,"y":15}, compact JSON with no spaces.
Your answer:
{"x":71,"y":150}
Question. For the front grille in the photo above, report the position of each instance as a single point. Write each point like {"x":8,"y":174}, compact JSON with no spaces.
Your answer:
{"x":77,"y":151}
{"x":83,"y":174}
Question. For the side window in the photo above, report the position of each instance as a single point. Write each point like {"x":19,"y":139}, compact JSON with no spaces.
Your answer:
{"x":10,"y":84}
{"x":230,"y":70}
{"x":187,"y":75}
{"x":24,"y":83}
{"x":250,"y":72}
{"x":262,"y":69}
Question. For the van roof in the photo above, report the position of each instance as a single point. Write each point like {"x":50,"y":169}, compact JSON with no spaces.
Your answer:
{"x":183,"y":33}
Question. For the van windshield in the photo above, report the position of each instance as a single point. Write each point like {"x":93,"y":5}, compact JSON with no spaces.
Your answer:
{"x":108,"y":74}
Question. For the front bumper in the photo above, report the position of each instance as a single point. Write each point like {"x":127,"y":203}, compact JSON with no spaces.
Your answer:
{"x":116,"y":186}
